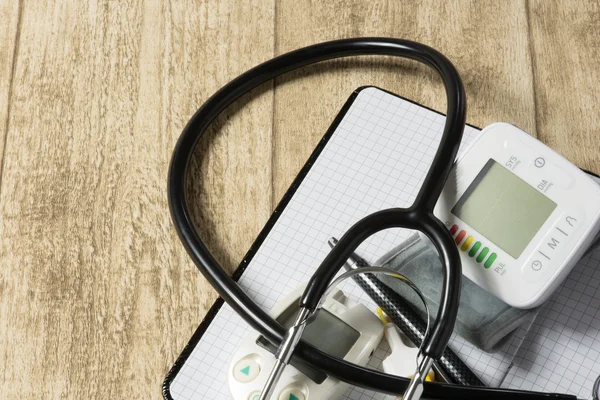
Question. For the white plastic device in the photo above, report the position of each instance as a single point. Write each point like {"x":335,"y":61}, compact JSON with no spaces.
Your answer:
{"x":402,"y":361}
{"x":520,"y":213}
{"x":342,"y":327}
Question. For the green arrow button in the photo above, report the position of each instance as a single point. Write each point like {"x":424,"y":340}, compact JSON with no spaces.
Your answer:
{"x":246,"y":371}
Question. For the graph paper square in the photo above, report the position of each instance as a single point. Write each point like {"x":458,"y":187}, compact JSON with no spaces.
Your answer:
{"x":376,"y":158}
{"x":561,"y":352}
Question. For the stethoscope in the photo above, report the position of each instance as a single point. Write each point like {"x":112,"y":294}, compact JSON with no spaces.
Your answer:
{"x":418,"y":216}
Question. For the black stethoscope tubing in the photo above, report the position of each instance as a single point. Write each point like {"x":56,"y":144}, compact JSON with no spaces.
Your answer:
{"x":419,"y":216}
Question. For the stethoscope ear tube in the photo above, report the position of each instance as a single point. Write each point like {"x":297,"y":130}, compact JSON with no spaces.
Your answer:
{"x":418,"y":217}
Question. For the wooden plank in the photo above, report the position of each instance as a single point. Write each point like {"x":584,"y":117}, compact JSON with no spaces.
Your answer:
{"x":566,"y":52}
{"x":97,"y":294}
{"x":487,"y":41}
{"x":9,"y":28}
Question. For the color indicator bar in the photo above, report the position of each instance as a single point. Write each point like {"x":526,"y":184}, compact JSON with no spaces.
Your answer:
{"x":467,"y":243}
{"x":490,"y":260}
{"x":453,"y":229}
{"x":460,"y":237}
{"x":474,"y":249}
{"x":482,"y":255}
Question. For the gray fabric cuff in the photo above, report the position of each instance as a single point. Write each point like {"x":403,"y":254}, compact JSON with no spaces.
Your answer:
{"x":483,"y":319}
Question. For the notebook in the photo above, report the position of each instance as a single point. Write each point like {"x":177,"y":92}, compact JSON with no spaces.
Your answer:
{"x":374,"y":156}
{"x":561,"y":352}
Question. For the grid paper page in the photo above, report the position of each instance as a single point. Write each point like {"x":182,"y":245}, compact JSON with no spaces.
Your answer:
{"x":561,"y":352}
{"x":376,"y":159}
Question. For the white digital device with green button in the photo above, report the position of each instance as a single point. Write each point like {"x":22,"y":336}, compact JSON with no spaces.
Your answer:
{"x":520,"y":214}
{"x":342,"y":327}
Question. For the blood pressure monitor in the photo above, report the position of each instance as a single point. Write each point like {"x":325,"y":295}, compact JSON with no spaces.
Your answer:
{"x":520,"y":214}
{"x":342,"y":328}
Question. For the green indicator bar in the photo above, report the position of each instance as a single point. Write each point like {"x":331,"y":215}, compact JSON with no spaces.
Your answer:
{"x":490,"y":260}
{"x":482,"y":255}
{"x":474,"y":249}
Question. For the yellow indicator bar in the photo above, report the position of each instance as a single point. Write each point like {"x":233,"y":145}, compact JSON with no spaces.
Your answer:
{"x":467,"y":243}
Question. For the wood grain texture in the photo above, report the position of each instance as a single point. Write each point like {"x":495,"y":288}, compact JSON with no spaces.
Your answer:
{"x":487,"y":41}
{"x":97,"y":295}
{"x":9,"y":38}
{"x":565,"y":43}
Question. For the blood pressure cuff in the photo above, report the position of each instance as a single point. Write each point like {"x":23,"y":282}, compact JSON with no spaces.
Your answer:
{"x":483,"y":319}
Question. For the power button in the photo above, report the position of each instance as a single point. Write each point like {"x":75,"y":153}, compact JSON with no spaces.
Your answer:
{"x":551,"y":173}
{"x":539,"y":162}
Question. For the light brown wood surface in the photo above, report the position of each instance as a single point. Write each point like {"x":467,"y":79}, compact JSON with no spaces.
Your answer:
{"x":97,"y":295}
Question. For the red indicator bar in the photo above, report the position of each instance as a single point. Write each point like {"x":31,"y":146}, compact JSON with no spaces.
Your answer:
{"x":453,"y":229}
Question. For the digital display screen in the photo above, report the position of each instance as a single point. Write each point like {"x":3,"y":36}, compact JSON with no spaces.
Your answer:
{"x":326,"y":332}
{"x":504,"y":208}
{"x":330,"y":334}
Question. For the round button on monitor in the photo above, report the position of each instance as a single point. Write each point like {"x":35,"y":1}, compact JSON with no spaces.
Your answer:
{"x":246,"y":370}
{"x":291,"y":393}
{"x":254,"y":396}
{"x":534,"y":269}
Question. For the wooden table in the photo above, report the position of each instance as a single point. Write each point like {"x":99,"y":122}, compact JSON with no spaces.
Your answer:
{"x":97,"y":295}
